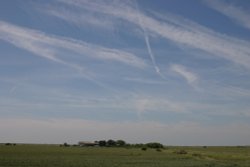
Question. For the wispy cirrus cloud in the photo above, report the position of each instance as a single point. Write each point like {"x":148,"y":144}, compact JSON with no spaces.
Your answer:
{"x":188,"y":33}
{"x":84,"y":17}
{"x":236,"y":13}
{"x":145,"y":81}
{"x":181,"y":70}
{"x":51,"y":48}
{"x":80,"y":18}
{"x":149,"y":104}
{"x":48,"y":46}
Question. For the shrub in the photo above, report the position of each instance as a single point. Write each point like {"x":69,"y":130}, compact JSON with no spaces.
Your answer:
{"x":196,"y":155}
{"x":154,"y":145}
{"x":181,"y":152}
{"x":144,"y":148}
{"x":158,"y":149}
{"x":66,"y":145}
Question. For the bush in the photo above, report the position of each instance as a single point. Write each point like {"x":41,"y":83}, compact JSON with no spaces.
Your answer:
{"x":144,"y":148}
{"x":181,"y":152}
{"x":66,"y":145}
{"x":196,"y":155}
{"x":158,"y":149}
{"x":154,"y":145}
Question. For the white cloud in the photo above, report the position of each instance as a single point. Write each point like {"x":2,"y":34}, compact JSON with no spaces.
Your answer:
{"x":145,"y":81}
{"x":80,"y":18}
{"x":48,"y":46}
{"x":191,"y":35}
{"x":189,"y":76}
{"x":236,"y":13}
{"x":149,"y":104}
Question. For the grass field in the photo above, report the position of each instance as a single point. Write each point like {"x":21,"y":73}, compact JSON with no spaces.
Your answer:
{"x":55,"y":156}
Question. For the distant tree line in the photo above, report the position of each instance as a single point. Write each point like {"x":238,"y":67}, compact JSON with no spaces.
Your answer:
{"x":10,"y":144}
{"x":148,"y":145}
{"x":122,"y":143}
{"x":117,"y":143}
{"x":112,"y":143}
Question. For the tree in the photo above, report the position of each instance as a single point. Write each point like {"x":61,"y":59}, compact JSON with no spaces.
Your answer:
{"x":66,"y":145}
{"x":111,"y":142}
{"x":120,"y":143}
{"x":102,"y":143}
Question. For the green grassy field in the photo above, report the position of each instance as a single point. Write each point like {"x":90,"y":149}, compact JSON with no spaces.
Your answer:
{"x":55,"y":156}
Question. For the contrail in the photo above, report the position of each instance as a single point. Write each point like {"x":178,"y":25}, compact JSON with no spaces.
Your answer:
{"x":150,"y":52}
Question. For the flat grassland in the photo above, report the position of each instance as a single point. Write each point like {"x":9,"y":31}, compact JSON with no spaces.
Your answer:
{"x":55,"y":156}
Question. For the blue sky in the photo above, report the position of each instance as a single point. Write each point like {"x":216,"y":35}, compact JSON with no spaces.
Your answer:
{"x":176,"y":72}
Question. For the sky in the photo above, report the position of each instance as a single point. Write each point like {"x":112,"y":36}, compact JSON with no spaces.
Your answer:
{"x":169,"y":71}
